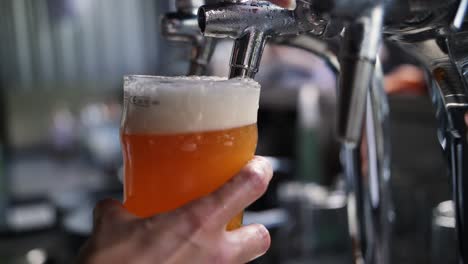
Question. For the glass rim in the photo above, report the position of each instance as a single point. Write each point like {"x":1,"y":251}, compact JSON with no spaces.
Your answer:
{"x":177,"y":77}
{"x":206,"y":78}
{"x":143,"y":82}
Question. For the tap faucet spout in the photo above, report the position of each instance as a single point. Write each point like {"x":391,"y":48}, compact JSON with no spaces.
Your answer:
{"x":251,"y":24}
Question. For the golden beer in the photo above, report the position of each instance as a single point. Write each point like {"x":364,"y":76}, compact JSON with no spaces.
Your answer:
{"x":183,"y":138}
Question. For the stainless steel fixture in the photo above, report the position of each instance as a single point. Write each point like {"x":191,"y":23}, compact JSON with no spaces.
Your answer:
{"x":182,"y":26}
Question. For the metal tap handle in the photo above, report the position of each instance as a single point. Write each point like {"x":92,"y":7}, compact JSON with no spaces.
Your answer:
{"x":358,"y":55}
{"x":252,"y":23}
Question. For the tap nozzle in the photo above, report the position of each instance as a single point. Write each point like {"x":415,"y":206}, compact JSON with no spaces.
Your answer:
{"x":251,"y":24}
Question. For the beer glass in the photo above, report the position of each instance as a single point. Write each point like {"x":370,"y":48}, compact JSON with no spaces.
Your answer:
{"x":184,"y":137}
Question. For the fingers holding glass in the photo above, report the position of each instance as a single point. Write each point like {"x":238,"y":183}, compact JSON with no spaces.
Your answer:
{"x":223,"y":205}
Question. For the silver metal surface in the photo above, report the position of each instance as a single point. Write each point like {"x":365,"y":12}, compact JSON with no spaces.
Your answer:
{"x":358,"y":54}
{"x":460,"y":16}
{"x":251,"y":23}
{"x":370,"y":210}
{"x":378,"y":168}
{"x":182,"y":26}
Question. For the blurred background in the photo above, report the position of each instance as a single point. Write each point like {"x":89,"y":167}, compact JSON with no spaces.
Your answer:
{"x":61,"y":69}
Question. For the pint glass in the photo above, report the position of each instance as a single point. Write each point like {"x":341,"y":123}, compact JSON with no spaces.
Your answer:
{"x":184,"y":137}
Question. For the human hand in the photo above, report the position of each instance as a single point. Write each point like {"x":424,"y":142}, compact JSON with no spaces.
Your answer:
{"x":195,"y":233}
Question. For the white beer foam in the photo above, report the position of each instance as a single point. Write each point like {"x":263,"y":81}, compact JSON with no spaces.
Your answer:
{"x":157,"y":104}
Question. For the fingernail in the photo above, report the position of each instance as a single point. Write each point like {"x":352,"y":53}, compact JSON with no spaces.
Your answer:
{"x":262,"y":232}
{"x":264,"y":236}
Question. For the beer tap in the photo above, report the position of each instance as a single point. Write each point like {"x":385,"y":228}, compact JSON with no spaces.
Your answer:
{"x":251,"y":24}
{"x":182,"y":26}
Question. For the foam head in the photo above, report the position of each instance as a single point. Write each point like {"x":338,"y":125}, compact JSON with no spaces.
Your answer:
{"x":156,"y":104}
